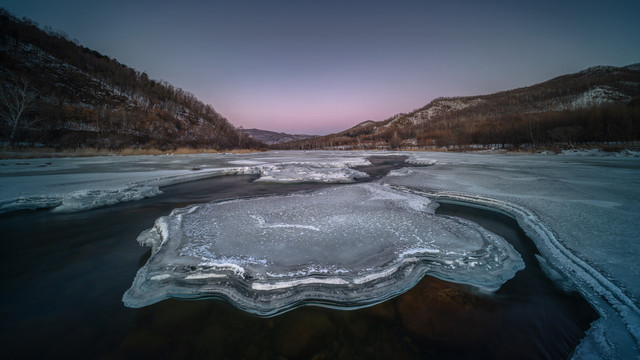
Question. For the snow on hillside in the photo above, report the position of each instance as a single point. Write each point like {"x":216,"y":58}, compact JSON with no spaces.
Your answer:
{"x":437,"y":107}
{"x":442,"y":106}
{"x":598,"y":95}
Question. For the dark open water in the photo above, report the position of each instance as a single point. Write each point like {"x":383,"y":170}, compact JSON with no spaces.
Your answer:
{"x":63,"y":276}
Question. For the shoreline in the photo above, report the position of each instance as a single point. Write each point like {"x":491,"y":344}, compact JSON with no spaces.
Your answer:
{"x":37,"y":153}
{"x":43,"y":153}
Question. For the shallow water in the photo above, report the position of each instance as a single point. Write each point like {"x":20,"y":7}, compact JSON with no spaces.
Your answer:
{"x":63,"y":276}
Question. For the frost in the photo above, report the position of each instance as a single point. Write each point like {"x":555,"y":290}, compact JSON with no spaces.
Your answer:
{"x":348,"y":246}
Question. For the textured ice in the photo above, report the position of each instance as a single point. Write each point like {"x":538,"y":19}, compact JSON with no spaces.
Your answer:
{"x":581,"y":212}
{"x":347,"y":247}
{"x":77,"y":184}
{"x":299,"y":173}
{"x":90,"y":199}
{"x":420,"y":159}
{"x":400,"y":172}
{"x":581,"y":208}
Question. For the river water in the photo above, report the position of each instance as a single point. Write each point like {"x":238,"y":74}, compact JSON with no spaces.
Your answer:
{"x":63,"y":276}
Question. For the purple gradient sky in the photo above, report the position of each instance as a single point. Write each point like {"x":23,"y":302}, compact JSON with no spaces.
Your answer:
{"x":323,"y":66}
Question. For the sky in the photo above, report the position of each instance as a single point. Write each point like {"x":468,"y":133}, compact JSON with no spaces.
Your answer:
{"x":318,"y":67}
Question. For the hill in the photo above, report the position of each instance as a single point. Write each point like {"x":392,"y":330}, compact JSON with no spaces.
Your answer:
{"x":272,"y":137}
{"x":60,"y":94}
{"x":599,"y":104}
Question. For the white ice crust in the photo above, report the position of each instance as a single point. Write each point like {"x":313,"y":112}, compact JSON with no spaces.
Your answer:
{"x":582,"y":212}
{"x":347,"y":246}
{"x":580,"y":208}
{"x":78,"y":184}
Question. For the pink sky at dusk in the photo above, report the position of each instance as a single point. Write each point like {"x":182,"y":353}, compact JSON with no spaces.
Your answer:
{"x":318,"y":67}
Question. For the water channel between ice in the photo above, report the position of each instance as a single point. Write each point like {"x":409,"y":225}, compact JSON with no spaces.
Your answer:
{"x":70,"y":285}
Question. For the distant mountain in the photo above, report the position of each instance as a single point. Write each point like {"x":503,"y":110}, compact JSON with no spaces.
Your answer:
{"x":599,"y":104}
{"x":72,"y":96}
{"x":272,"y":137}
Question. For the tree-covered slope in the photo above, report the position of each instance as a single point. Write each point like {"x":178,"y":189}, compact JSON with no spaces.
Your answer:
{"x":79,"y":97}
{"x":599,"y":104}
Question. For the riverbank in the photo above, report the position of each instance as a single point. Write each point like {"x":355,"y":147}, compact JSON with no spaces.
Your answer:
{"x":592,"y":150}
{"x":34,"y":153}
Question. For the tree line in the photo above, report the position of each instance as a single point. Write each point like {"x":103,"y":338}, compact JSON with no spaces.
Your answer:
{"x":84,"y":98}
{"x":608,"y":123}
{"x":597,"y":105}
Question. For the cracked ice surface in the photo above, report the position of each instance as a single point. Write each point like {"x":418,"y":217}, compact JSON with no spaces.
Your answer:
{"x":348,"y":246}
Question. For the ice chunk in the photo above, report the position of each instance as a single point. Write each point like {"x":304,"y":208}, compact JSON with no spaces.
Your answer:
{"x":400,"y":172}
{"x":91,"y":199}
{"x":347,"y":247}
{"x":293,"y":173}
{"x":420,"y":160}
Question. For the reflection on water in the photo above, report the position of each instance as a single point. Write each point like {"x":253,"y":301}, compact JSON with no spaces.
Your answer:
{"x":63,"y":276}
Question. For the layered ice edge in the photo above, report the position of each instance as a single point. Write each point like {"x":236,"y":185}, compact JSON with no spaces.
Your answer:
{"x":344,"y":247}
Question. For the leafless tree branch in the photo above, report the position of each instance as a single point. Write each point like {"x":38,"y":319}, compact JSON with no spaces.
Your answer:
{"x":16,"y":98}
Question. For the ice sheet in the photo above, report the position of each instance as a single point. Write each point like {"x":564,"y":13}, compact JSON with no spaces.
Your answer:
{"x":347,"y":246}
{"x":581,"y":211}
{"x":583,"y":214}
{"x":79,"y":191}
{"x":77,"y":184}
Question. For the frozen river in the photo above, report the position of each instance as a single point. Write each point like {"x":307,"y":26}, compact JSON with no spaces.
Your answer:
{"x":581,"y":212}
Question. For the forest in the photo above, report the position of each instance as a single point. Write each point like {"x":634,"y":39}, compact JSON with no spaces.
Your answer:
{"x":69,"y":96}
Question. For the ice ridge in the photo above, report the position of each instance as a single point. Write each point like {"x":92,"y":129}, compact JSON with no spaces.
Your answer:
{"x":617,"y":310}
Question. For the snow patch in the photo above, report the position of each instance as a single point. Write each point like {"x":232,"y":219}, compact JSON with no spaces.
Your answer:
{"x":598,"y":96}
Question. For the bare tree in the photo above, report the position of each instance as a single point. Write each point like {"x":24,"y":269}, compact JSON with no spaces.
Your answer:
{"x":16,"y":98}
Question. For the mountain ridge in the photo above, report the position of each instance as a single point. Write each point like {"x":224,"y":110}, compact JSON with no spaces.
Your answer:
{"x":606,"y":98}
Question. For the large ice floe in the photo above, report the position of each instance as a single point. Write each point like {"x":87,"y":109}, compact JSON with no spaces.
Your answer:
{"x":79,"y":184}
{"x":344,"y":247}
{"x":582,"y":213}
